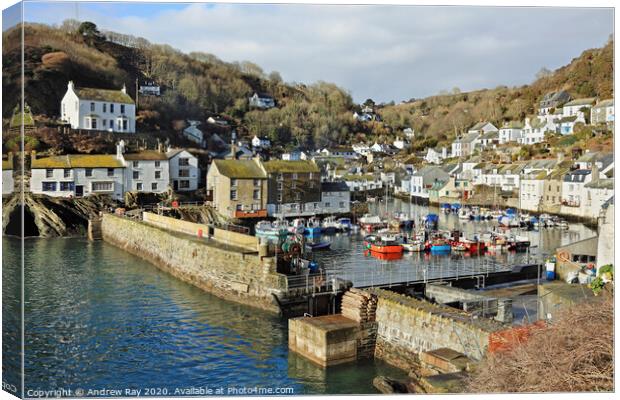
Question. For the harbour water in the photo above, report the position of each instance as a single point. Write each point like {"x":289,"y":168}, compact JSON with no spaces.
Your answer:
{"x":348,"y":259}
{"x":98,"y":317}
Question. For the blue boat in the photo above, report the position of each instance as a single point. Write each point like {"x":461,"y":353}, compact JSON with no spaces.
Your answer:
{"x":456,"y":206}
{"x":313,"y":228}
{"x":318,"y":246}
{"x":441,"y":248}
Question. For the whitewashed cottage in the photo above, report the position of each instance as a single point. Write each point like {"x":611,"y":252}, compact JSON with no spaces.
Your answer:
{"x":184,"y":172}
{"x":98,"y":109}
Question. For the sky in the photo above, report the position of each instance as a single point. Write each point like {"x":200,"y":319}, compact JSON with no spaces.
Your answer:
{"x":381,"y":52}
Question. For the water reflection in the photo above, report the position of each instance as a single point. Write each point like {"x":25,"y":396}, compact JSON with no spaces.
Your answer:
{"x":349,"y":259}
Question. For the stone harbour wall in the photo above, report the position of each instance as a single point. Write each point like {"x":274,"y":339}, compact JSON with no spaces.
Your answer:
{"x":225,"y":271}
{"x":407,"y":326}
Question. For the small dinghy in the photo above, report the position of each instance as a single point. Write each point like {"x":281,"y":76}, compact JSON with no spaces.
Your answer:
{"x":318,"y":246}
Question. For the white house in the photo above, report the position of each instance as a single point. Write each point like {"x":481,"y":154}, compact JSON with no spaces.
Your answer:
{"x":145,"y":171}
{"x":78,"y":175}
{"x":344,"y":152}
{"x":482,"y":128}
{"x":597,"y":193}
{"x":149,"y":88}
{"x":361,"y":149}
{"x":400,"y":144}
{"x":260,"y":143}
{"x":217,"y":121}
{"x":464,"y":146}
{"x":193,"y":133}
{"x":295,"y":155}
{"x":574,"y":107}
{"x":573,"y":188}
{"x":510,"y":132}
{"x":184,"y":172}
{"x":531,"y":190}
{"x":98,"y":109}
{"x":261,"y":100}
{"x":567,"y":124}
{"x":376,"y":148}
{"x":489,"y":139}
{"x":602,"y":113}
{"x":8,"y":183}
{"x":422,"y":180}
{"x":552,"y":100}
{"x":335,"y":198}
{"x":534,"y":130}
{"x":436,"y":156}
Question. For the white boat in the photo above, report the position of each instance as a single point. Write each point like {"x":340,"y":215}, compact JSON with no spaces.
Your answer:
{"x":464,"y":214}
{"x":276,"y":229}
{"x":415,"y":246}
{"x":330,"y":225}
{"x":370,"y":219}
{"x":313,"y":227}
{"x":298,"y":226}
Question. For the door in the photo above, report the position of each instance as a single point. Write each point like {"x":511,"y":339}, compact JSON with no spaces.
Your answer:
{"x":79,"y":190}
{"x":175,"y":185}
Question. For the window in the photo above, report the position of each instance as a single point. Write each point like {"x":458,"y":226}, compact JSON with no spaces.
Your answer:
{"x":279,"y":197}
{"x":297,"y":196}
{"x":136,"y":174}
{"x":239,"y":207}
{"x":184,"y":173}
{"x":93,"y":123}
{"x":256,"y":182}
{"x":184,"y":184}
{"x":103,"y":186}
{"x":111,"y":108}
{"x":66,"y":173}
{"x":157,"y":164}
{"x":124,"y":124}
{"x":66,"y":186}
{"x":295,"y":176}
{"x":328,"y":204}
{"x":110,"y":171}
{"x":233,"y":182}
{"x":122,"y":109}
{"x":293,"y":185}
{"x":183,"y":162}
{"x":135,"y":164}
{"x":104,"y":108}
{"x":49,"y":173}
{"x":104,"y":123}
{"x":280,"y":186}
{"x":92,"y":106}
{"x":280,"y":177}
{"x":256,"y":195}
{"x":49,"y":186}
{"x":157,"y":174}
{"x":139,"y":186}
{"x":154,"y":186}
{"x":88,"y":172}
{"x":233,"y":195}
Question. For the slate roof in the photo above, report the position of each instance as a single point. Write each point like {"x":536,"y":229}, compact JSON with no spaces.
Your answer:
{"x":578,"y":175}
{"x":244,"y":169}
{"x":334,"y":187}
{"x":114,"y":96}
{"x":78,"y":161}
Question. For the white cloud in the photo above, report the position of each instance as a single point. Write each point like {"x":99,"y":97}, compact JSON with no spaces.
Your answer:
{"x":383,"y":52}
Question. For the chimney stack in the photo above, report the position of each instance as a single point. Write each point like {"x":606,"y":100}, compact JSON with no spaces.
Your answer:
{"x":595,"y":172}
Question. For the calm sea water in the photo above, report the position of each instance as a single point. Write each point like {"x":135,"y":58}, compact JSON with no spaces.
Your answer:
{"x":97,"y":317}
{"x":349,"y":259}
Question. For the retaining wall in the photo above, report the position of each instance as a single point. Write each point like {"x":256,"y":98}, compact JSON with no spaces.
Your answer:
{"x":225,"y":271}
{"x":407,"y":327}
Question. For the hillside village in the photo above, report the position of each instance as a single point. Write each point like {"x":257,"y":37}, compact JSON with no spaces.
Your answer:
{"x":543,"y":163}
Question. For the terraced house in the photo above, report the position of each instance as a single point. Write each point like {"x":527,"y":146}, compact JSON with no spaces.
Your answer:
{"x":294,"y":187}
{"x":77,"y":175}
{"x":238,"y":188}
{"x":98,"y":109}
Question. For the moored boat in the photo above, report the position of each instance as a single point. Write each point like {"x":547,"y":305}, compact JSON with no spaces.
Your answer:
{"x":272,"y":230}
